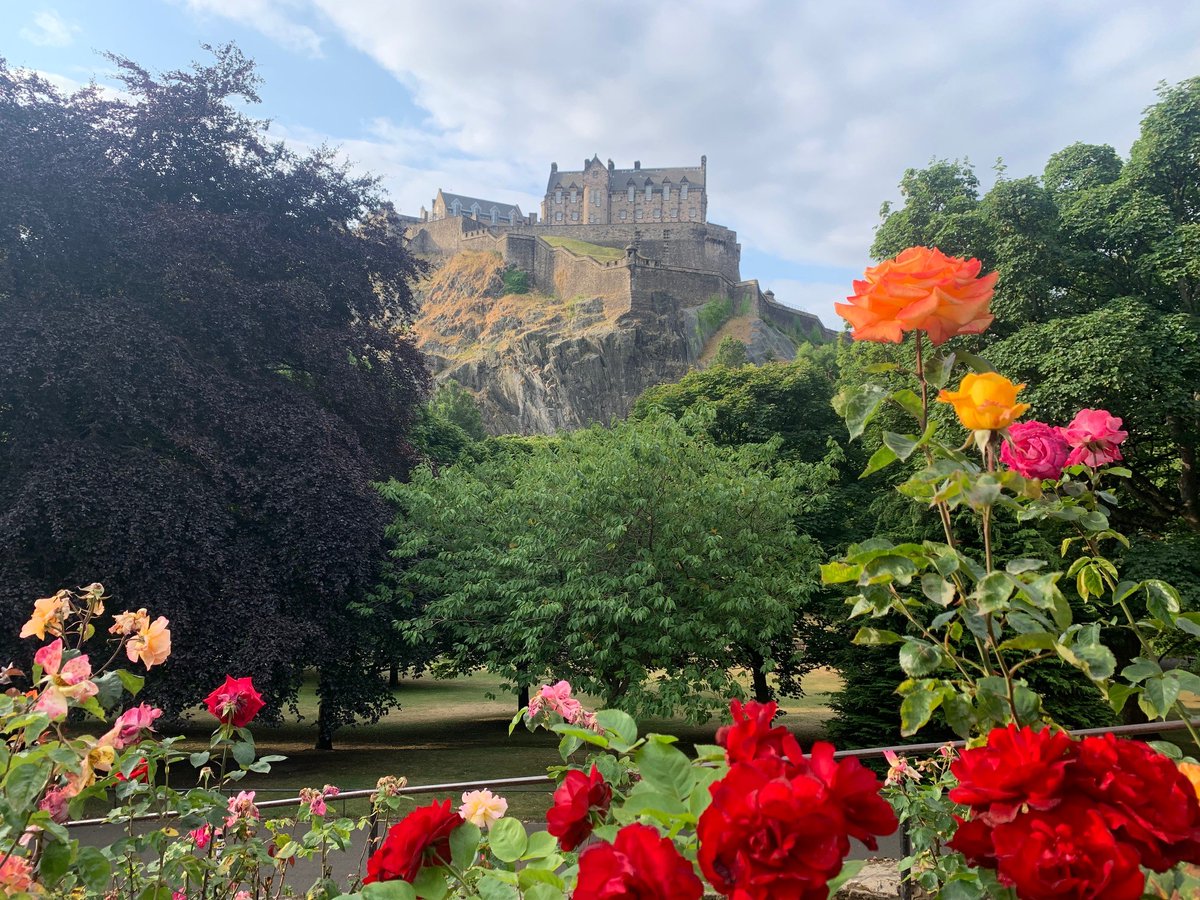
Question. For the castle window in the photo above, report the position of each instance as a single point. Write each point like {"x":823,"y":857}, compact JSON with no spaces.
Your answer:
{"x":558,"y":216}
{"x":575,"y":216}
{"x":657,"y":213}
{"x":674,"y":214}
{"x":574,"y":196}
{"x":558,"y":196}
{"x":692,"y":214}
{"x":638,"y":215}
{"x":666,"y":192}
{"x":683,"y":191}
{"x":454,"y":208}
{"x":622,"y":215}
{"x":649,"y":188}
{"x":631,"y":190}
{"x":493,"y":215}
{"x":595,"y":198}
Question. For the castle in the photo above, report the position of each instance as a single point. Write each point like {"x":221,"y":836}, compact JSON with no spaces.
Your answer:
{"x":658,"y":217}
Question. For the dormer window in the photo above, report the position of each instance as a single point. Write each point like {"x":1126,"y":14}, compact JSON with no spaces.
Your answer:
{"x":683,"y":191}
{"x":493,"y":215}
{"x":632,"y":189}
{"x":574,"y":196}
{"x":558,"y":196}
{"x":455,"y":208}
{"x":666,"y":192}
{"x":649,"y":189}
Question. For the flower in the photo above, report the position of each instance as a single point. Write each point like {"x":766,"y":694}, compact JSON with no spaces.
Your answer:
{"x":201,"y":836}
{"x":55,"y":801}
{"x":640,"y":864}
{"x":899,"y":769}
{"x":151,"y":644}
{"x":922,"y":289}
{"x":1094,"y":436}
{"x":16,"y":876}
{"x":557,"y":698}
{"x":420,"y":838}
{"x":576,"y":800}
{"x":235,"y":702}
{"x":780,"y":828}
{"x":241,"y":809}
{"x":140,"y":772}
{"x":1035,"y":450}
{"x":1191,"y":771}
{"x":986,"y":402}
{"x":482,"y":808}
{"x":65,"y":681}
{"x":751,"y":735}
{"x":130,"y":724}
{"x":128,"y":623}
{"x":1018,"y":767}
{"x":315,"y":800}
{"x":49,"y":614}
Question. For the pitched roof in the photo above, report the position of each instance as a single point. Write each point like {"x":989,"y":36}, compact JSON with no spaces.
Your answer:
{"x":485,"y":206}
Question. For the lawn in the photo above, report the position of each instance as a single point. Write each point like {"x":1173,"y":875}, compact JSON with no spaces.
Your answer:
{"x":583,"y":248}
{"x":449,"y":731}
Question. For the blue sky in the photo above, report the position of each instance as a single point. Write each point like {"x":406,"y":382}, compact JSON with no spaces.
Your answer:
{"x":809,"y":112}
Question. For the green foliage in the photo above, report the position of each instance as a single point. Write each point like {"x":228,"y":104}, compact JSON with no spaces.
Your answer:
{"x":516,"y":281}
{"x":606,"y":556}
{"x":731,"y":353}
{"x":713,"y":314}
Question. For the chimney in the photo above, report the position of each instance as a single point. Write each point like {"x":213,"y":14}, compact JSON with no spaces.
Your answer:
{"x":703,"y":162}
{"x":553,"y":168}
{"x":610,"y":165}
{"x":637,"y":163}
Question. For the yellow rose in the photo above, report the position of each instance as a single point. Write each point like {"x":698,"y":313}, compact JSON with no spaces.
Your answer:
{"x":986,"y":402}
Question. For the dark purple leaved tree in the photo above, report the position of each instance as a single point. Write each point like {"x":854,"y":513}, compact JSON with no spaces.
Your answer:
{"x":204,"y":364}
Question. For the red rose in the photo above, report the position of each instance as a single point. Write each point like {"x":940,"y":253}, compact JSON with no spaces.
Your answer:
{"x":420,"y":838}
{"x":776,"y":830}
{"x":1019,"y":766}
{"x":854,"y":790}
{"x":140,"y":772}
{"x":640,"y":865}
{"x":1142,"y":796}
{"x":751,"y":735}
{"x":1066,"y":854}
{"x":570,"y":818}
{"x":235,"y":702}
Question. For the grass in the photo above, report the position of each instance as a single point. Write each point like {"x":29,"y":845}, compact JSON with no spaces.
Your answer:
{"x":583,"y":248}
{"x":450,"y":731}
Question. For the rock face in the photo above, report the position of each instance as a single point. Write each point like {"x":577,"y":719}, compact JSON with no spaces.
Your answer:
{"x":541,"y":363}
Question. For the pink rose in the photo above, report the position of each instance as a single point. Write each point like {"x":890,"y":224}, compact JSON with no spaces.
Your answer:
{"x":1094,"y":435}
{"x":557,"y":698}
{"x":1035,"y":450}
{"x":129,"y":726}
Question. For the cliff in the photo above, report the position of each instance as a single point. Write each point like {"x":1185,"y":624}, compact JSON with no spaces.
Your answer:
{"x":595,"y":329}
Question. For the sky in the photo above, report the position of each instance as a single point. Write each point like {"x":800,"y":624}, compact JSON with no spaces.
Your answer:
{"x":809,"y":112}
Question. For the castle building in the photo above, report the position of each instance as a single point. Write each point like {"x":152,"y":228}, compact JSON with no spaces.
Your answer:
{"x":490,"y":212}
{"x":600,"y":194}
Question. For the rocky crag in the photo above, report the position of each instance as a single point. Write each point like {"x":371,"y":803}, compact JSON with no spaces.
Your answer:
{"x":554,"y":332}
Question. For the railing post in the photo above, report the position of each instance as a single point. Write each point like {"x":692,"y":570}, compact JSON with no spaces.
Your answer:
{"x":906,"y":888}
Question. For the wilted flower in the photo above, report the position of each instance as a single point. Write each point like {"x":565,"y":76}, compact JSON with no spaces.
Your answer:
{"x":241,"y":809}
{"x":128,"y":623}
{"x":130,"y":724}
{"x":899,"y":769}
{"x":65,"y":681}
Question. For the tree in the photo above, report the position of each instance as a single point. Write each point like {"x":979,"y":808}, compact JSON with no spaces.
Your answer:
{"x":453,"y":403}
{"x":204,"y":369}
{"x":642,"y":562}
{"x":731,"y":353}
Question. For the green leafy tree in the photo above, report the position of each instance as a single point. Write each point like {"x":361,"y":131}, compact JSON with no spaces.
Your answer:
{"x":731,"y":353}
{"x":642,"y":562}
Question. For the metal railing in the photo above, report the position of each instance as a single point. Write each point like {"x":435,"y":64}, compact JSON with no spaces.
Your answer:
{"x":455,"y":786}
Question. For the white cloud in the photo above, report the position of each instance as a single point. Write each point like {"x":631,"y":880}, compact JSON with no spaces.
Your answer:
{"x":809,"y":112}
{"x":49,"y":29}
{"x":274,"y":18}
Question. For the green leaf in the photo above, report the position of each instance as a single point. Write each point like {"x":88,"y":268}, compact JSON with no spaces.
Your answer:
{"x":430,"y":883}
{"x":909,"y":402}
{"x":541,"y":845}
{"x":837,"y":573}
{"x":1118,"y":694}
{"x":133,"y":683}
{"x":619,"y":723}
{"x":1034,"y":640}
{"x":24,"y":784}
{"x":1088,"y":582}
{"x":198,"y":759}
{"x":586,"y":735}
{"x":858,"y":406}
{"x":876,"y":637}
{"x":1159,"y":694}
{"x":507,"y":839}
{"x":666,"y":768}
{"x":389,"y":890}
{"x":56,"y":860}
{"x":464,"y":845}
{"x":850,"y":868}
{"x":243,"y":752}
{"x":902,"y":445}
{"x":93,"y":869}
{"x":916,"y":709}
{"x":918,"y":658}
{"x":977,"y":364}
{"x":1141,"y":669}
{"x":1020,"y":566}
{"x":992,"y":593}
{"x":937,"y":589}
{"x":938,"y":369}
{"x":880,"y":459}
{"x":1095,"y":660}
{"x":1162,"y":600}
{"x":492,"y":887}
{"x":1189,"y":622}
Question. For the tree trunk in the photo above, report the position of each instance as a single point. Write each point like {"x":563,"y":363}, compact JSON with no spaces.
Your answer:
{"x":324,"y":728}
{"x":394,"y":674}
{"x":1189,"y":480}
{"x":522,"y":696}
{"x":762,"y":690}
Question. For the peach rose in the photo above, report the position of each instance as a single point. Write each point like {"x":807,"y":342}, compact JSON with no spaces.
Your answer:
{"x":922,"y":289}
{"x":986,"y":402}
{"x":151,"y":644}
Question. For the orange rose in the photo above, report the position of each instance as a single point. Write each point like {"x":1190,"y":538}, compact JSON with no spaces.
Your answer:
{"x":922,"y":289}
{"x":151,"y":644}
{"x":1192,"y":772}
{"x":986,"y":402}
